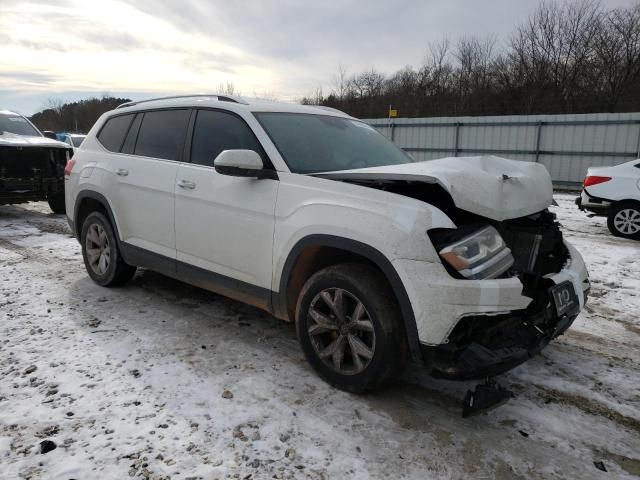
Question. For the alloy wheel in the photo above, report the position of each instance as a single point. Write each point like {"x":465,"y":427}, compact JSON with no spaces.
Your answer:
{"x":627,"y":221}
{"x":98,"y":249}
{"x":341,"y":331}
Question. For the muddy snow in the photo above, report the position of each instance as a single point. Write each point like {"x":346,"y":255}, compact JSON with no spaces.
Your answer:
{"x":159,"y":380}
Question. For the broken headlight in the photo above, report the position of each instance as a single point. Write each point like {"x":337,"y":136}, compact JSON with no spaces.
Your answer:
{"x":474,"y":252}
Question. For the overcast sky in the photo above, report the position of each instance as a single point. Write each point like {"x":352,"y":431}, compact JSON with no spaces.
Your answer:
{"x":71,"y":49}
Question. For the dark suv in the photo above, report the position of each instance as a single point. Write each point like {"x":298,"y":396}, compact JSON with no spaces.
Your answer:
{"x":31,"y":165}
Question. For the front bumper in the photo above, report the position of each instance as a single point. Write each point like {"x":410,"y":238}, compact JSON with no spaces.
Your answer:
{"x":23,"y":190}
{"x":513,"y":326}
{"x":484,"y":346}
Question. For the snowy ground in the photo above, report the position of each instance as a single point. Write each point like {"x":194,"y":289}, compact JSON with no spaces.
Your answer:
{"x":162,"y":380}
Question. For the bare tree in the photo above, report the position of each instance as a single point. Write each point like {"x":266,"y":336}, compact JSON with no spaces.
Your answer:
{"x":228,"y":88}
{"x":341,"y":81}
{"x":617,"y":54}
{"x":556,"y":45}
{"x":570,"y":56}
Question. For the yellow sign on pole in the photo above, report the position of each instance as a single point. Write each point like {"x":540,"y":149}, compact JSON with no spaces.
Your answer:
{"x":393,"y":113}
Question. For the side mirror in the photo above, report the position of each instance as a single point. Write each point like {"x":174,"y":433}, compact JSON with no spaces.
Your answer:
{"x":239,"y":163}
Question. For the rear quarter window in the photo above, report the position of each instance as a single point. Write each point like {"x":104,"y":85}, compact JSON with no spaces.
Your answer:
{"x":112,"y":134}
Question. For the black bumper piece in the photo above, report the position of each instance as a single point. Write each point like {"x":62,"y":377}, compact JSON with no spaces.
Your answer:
{"x":483,"y":346}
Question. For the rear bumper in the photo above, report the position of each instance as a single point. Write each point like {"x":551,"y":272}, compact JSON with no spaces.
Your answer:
{"x":586,"y":202}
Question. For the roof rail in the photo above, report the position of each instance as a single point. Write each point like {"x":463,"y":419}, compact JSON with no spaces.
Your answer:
{"x":220,"y":98}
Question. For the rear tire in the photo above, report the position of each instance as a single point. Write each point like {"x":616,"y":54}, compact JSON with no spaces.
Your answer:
{"x":623,"y":220}
{"x":100,"y":251}
{"x":350,"y":329}
{"x":56,"y":203}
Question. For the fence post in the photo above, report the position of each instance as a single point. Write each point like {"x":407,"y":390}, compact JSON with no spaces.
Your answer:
{"x":638,"y":143}
{"x":392,"y":126}
{"x":455,"y":147}
{"x":538,"y":134}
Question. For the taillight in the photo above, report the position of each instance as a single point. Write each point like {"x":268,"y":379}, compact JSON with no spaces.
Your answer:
{"x":594,"y":180}
{"x":69,"y":166}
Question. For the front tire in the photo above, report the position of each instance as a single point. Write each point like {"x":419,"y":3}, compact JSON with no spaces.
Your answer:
{"x":100,"y":251}
{"x":350,"y":328}
{"x":56,"y":203}
{"x":623,"y":220}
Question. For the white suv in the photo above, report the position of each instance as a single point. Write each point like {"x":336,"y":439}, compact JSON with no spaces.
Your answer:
{"x":315,"y":217}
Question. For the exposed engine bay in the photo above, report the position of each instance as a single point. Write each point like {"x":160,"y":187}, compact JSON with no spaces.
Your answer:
{"x":535,"y":240}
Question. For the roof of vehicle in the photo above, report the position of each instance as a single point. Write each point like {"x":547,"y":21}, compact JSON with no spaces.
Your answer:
{"x":12,"y":140}
{"x":228,"y":102}
{"x":9,"y":112}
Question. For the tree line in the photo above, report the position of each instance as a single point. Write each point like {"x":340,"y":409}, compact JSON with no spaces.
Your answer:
{"x":75,"y":116}
{"x":570,"y":57}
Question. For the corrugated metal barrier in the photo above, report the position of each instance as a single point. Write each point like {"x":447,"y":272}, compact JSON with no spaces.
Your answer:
{"x":566,"y":144}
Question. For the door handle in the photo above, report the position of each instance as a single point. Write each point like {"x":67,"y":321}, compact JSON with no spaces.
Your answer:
{"x":186,"y":184}
{"x":122,"y":172}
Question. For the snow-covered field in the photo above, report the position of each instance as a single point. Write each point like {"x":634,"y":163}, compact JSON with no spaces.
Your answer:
{"x":158,"y":379}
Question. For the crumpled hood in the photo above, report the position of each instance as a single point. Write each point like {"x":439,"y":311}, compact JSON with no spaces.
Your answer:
{"x":13,"y":140}
{"x":493,"y":187}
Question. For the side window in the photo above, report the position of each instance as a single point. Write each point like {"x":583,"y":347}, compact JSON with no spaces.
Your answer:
{"x":112,"y":133}
{"x":216,"y":131}
{"x":130,"y":142}
{"x":162,"y":134}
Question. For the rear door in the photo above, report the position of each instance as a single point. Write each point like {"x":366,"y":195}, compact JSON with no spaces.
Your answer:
{"x":145,"y":175}
{"x":224,"y":224}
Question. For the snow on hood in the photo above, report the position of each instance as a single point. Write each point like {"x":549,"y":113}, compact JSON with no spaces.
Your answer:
{"x":12,"y":140}
{"x":493,"y":187}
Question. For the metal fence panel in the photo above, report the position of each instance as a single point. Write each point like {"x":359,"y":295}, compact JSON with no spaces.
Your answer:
{"x":566,"y":144}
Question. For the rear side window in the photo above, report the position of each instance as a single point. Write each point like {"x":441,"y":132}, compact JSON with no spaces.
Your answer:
{"x":112,"y":133}
{"x":216,"y":131}
{"x":130,"y":141}
{"x":162,"y":134}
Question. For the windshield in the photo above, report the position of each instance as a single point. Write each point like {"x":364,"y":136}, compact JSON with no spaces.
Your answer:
{"x":16,"y":124}
{"x":76,"y":140}
{"x":318,"y":143}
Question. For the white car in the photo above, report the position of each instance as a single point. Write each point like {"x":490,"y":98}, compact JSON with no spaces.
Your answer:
{"x":74,"y":140}
{"x":614,"y":192}
{"x":315,"y":217}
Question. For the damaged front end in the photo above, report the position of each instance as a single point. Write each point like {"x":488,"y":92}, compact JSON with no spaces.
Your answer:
{"x":513,"y":283}
{"x":31,"y":173}
{"x":487,"y":344}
